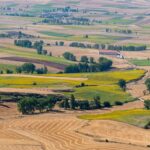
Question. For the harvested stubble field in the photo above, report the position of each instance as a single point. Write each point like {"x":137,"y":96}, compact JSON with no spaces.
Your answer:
{"x":66,"y":132}
{"x":117,"y":128}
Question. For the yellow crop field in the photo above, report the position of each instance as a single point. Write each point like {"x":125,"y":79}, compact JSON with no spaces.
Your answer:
{"x":96,"y":84}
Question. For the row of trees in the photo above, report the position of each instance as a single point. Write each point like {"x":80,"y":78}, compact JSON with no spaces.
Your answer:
{"x":109,"y":47}
{"x":72,"y":103}
{"x":38,"y":45}
{"x":102,"y":65}
{"x":38,"y":104}
{"x":72,"y":57}
{"x":125,"y":31}
{"x":127,"y":48}
{"x":30,"y":105}
{"x":83,"y":45}
{"x":31,"y":68}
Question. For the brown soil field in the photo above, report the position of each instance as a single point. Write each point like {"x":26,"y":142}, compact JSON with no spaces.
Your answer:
{"x":137,"y":55}
{"x":78,"y":52}
{"x":41,"y":62}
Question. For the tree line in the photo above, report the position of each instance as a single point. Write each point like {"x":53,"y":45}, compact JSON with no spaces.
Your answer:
{"x":89,"y":65}
{"x":127,"y":48}
{"x":38,"y":45}
{"x":125,"y":31}
{"x":31,"y":105}
{"x":31,"y":68}
{"x":109,"y":47}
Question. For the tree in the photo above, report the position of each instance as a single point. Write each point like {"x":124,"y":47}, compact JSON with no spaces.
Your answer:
{"x":97,"y":102}
{"x":147,"y":126}
{"x":8,"y":71}
{"x":147,"y":104}
{"x":104,"y":64}
{"x":84,"y":59}
{"x":92,"y":61}
{"x":69,"y":56}
{"x":84,"y":105}
{"x":66,"y":104}
{"x":107,"y":104}
{"x":72,"y":69}
{"x":118,"y":103}
{"x":38,"y":45}
{"x":27,"y":105}
{"x":86,"y":36}
{"x":44,"y":52}
{"x":147,"y":82}
{"x":61,"y":43}
{"x":23,"y":43}
{"x":39,"y":49}
{"x":18,"y":69}
{"x":42,"y":70}
{"x":72,"y":102}
{"x":122,"y":83}
{"x":28,"y":67}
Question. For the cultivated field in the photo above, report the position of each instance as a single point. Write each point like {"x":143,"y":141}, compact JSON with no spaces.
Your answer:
{"x":92,"y":25}
{"x":97,"y":84}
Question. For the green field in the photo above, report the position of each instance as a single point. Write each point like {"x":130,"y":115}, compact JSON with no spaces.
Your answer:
{"x":140,"y":62}
{"x":119,"y":20}
{"x":4,"y":67}
{"x":29,"y":53}
{"x":81,"y":38}
{"x":56,"y":34}
{"x":137,"y":117}
{"x":98,"y":84}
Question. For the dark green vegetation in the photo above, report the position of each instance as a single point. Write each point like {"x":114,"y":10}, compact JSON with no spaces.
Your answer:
{"x":122,"y":84}
{"x":69,"y":56}
{"x":30,"y":105}
{"x":147,"y":82}
{"x":85,"y":65}
{"x":147,"y":104}
{"x":31,"y":68}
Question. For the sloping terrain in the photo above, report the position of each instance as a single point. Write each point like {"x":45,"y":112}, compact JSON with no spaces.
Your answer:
{"x":61,"y":132}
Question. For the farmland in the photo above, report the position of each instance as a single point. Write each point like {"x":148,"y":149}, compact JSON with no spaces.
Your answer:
{"x":141,"y":62}
{"x":98,"y":84}
{"x":59,"y":90}
{"x":137,"y":117}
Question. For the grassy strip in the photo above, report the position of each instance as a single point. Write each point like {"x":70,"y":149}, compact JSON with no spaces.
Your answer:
{"x":138,"y":117}
{"x":92,"y":38}
{"x":33,"y":55}
{"x":140,"y":62}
